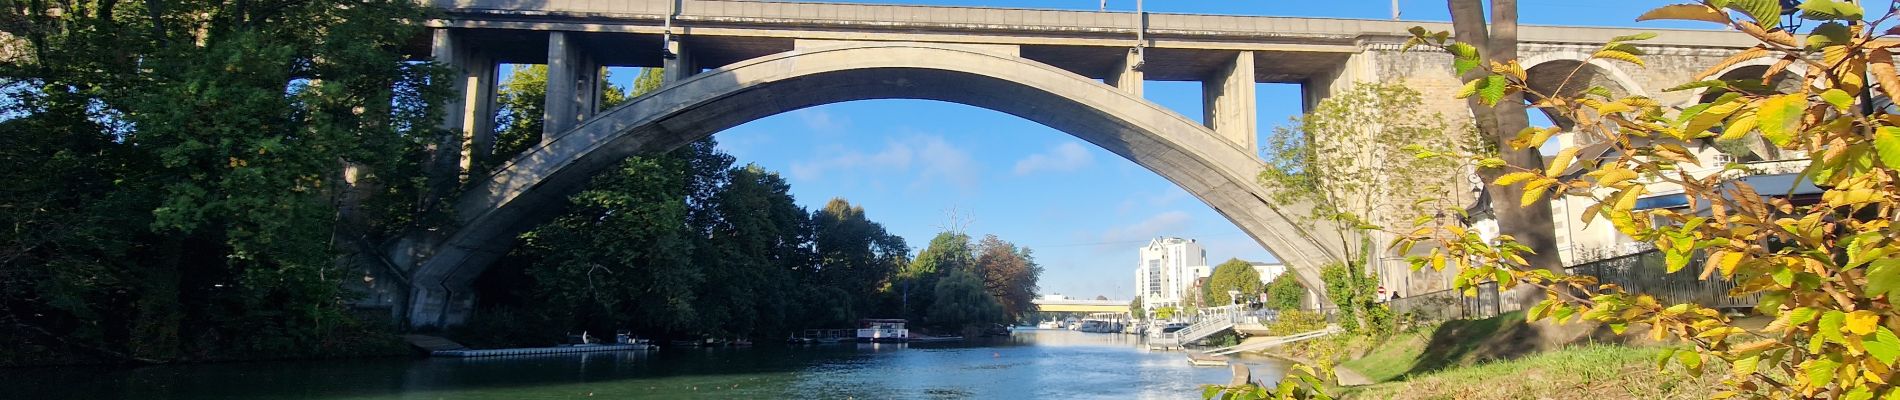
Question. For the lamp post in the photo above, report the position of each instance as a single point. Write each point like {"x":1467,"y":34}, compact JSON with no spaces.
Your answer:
{"x":1233,"y":296}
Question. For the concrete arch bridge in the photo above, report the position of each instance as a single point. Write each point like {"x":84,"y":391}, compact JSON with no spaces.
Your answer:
{"x":730,"y":62}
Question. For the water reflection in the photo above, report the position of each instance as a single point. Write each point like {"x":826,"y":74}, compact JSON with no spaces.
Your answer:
{"x":1041,"y":364}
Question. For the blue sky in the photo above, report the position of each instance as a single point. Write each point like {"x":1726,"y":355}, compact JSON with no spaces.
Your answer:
{"x":1084,"y":211}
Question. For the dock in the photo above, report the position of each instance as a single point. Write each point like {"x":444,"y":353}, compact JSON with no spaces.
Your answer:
{"x":539,"y":350}
{"x":1206,"y":360}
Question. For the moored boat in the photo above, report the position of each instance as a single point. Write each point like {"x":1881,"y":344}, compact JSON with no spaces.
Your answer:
{"x":882,"y":330}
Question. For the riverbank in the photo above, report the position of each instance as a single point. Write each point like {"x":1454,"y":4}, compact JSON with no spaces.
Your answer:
{"x":1495,"y":358}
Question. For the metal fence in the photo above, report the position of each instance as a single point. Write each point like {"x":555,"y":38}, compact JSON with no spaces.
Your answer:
{"x":1645,"y":273}
{"x":1642,"y":273}
{"x":1446,"y":305}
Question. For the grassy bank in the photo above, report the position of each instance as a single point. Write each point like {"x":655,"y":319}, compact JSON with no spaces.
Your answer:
{"x":1500,"y":358}
{"x":1579,"y":372}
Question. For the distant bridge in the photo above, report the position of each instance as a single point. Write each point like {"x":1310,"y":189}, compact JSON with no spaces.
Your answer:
{"x":1083,"y":306}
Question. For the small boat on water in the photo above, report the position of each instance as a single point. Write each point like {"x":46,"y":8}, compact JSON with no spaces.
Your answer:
{"x":888,"y":330}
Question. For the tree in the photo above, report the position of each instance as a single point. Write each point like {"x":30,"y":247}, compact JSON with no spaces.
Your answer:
{"x":1009,"y":274}
{"x":858,"y":256}
{"x":1500,"y":122}
{"x":947,"y":253}
{"x":1233,"y":275}
{"x":206,"y":145}
{"x":1824,"y":268}
{"x":961,"y":302}
{"x":1135,"y":309}
{"x":1285,"y":293}
{"x":1356,"y":166}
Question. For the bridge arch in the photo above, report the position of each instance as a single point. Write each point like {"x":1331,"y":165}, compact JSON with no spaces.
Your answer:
{"x":526,"y":189}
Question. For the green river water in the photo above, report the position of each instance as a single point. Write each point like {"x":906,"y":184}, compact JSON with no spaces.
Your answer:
{"x":1031,"y":364}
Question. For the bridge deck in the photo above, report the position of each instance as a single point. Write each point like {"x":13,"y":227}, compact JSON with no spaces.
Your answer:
{"x":1183,"y":47}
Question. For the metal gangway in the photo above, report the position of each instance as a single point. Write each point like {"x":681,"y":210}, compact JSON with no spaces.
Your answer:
{"x":1276,"y":341}
{"x":1212,"y":321}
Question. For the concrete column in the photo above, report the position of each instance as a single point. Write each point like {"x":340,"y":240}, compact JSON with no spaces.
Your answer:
{"x":1127,"y":75}
{"x":681,"y":65}
{"x":573,"y":84}
{"x":1228,"y":102}
{"x":1340,"y":78}
{"x":471,"y":110}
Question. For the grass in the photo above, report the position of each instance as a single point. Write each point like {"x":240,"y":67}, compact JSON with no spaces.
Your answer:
{"x":1580,"y":372}
{"x":1500,"y":358}
{"x":1449,"y":345}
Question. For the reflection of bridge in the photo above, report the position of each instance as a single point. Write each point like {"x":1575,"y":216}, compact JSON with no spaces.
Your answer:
{"x":1081,"y":306}
{"x":730,"y":62}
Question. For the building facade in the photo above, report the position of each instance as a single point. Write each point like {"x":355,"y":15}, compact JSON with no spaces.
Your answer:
{"x":1165,"y":274}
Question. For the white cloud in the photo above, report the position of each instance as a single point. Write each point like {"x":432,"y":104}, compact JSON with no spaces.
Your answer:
{"x":934,"y":160}
{"x":941,"y":160}
{"x":894,"y":156}
{"x":1065,"y":157}
{"x":1169,"y":221}
{"x":821,"y":121}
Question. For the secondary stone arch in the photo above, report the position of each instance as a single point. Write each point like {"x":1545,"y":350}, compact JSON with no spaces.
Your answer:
{"x":528,"y":188}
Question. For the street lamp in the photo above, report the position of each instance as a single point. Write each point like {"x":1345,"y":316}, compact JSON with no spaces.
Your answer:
{"x":1233,"y":296}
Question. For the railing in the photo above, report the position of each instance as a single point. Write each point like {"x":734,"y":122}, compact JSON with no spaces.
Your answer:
{"x":1642,"y":273}
{"x":1446,"y":305}
{"x":1645,"y":273}
{"x":1208,"y":322}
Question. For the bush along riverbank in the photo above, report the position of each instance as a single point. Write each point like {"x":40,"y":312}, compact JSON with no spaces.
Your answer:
{"x":1494,"y":358}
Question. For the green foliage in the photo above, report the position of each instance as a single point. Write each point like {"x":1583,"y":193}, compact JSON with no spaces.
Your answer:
{"x":1299,"y":382}
{"x":1295,"y":321}
{"x":1285,"y":292}
{"x":961,"y":301}
{"x":1233,"y":274}
{"x":1165,"y":312}
{"x":1135,"y":308}
{"x":1354,"y":297}
{"x":948,"y":252}
{"x":174,"y":171}
{"x":1820,"y":266}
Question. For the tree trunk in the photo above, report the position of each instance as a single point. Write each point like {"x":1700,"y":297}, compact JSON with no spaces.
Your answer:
{"x":1531,"y":225}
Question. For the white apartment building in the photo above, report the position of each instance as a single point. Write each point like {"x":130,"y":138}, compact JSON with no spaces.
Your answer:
{"x":1167,"y":270}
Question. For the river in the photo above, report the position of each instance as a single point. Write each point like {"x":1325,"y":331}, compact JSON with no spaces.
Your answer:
{"x":1055,"y":364}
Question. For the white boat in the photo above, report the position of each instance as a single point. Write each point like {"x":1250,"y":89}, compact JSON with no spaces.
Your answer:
{"x":882,"y":330}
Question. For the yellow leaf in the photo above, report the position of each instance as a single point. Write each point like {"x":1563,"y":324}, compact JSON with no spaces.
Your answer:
{"x":1534,"y":192}
{"x":1880,"y":65}
{"x":1561,"y":162}
{"x":1745,"y":55}
{"x":1780,"y":117}
{"x":1738,"y":126}
{"x":1727,"y":261}
{"x":1619,"y":56}
{"x":1513,"y":178}
{"x":1861,"y":322}
{"x":1689,"y":12}
{"x":1611,"y":177}
{"x":1778,"y":36}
